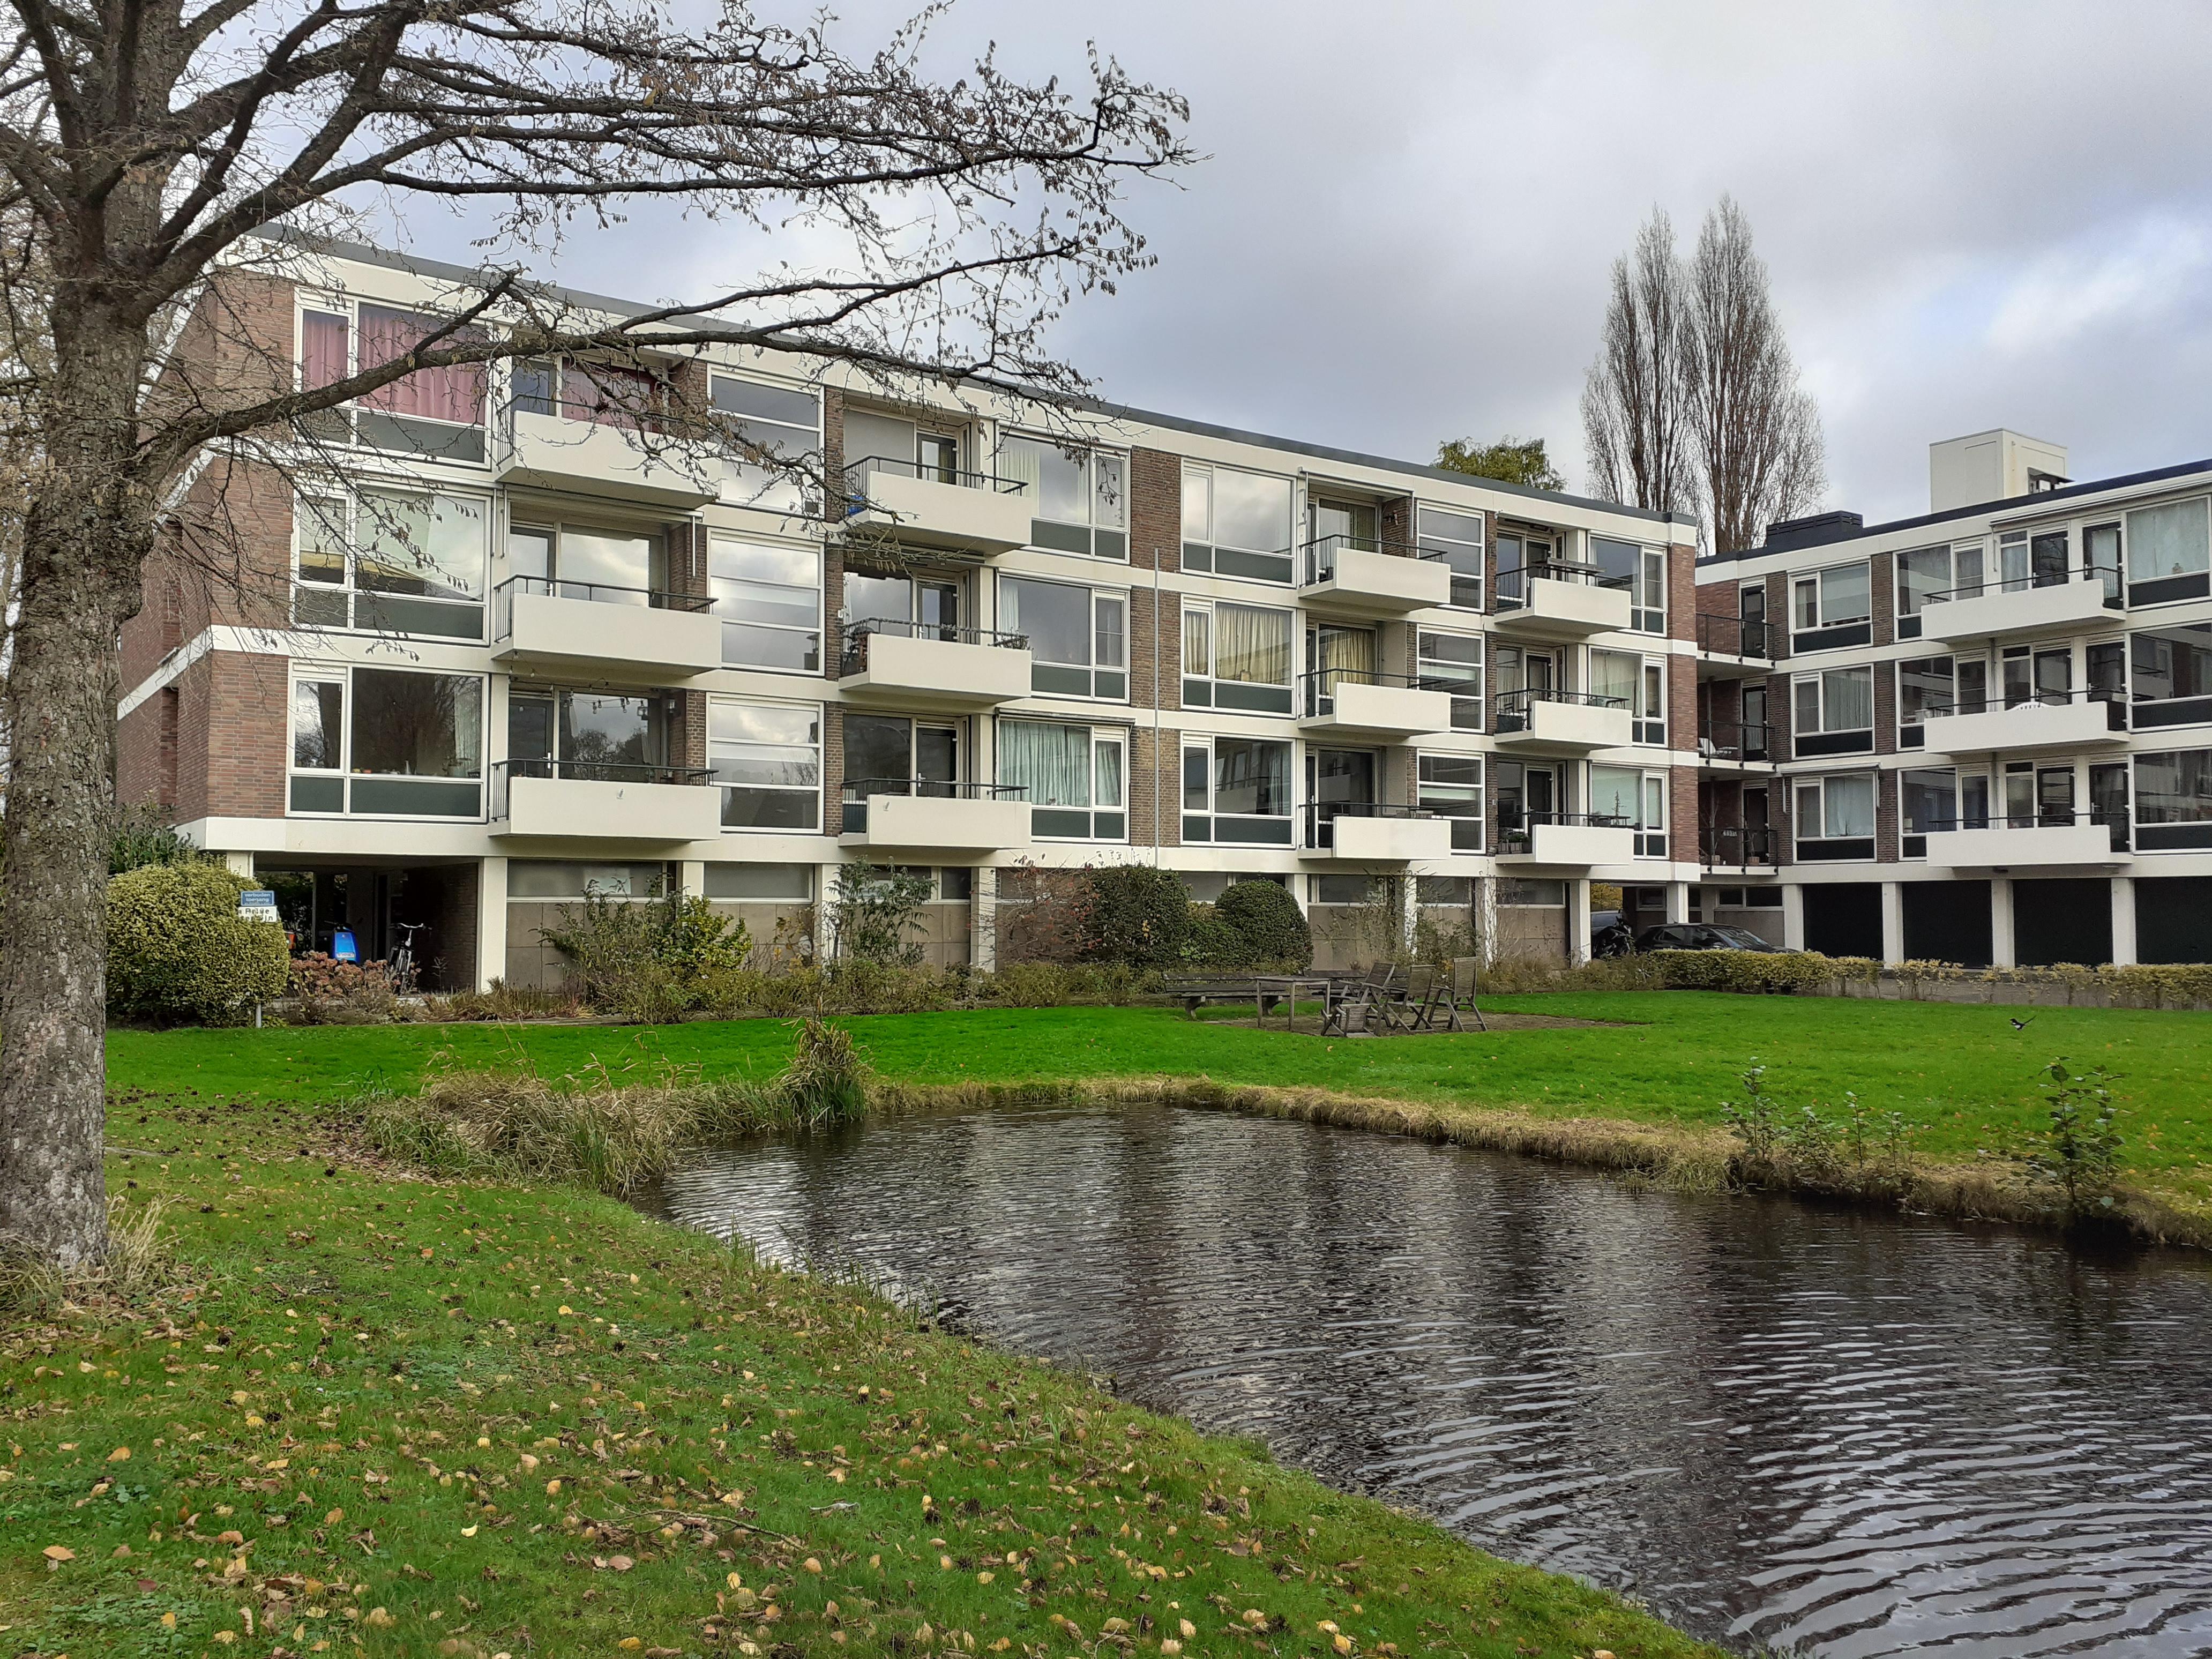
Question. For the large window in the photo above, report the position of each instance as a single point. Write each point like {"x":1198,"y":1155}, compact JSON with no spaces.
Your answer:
{"x":1452,"y":663}
{"x":1079,"y":636}
{"x":1834,"y":712}
{"x":2169,"y":553}
{"x":1629,"y":795}
{"x":1637,"y":683}
{"x":1235,"y":523}
{"x":1075,"y":777}
{"x":1929,"y":686}
{"x":387,"y":742}
{"x":1239,"y":656}
{"x":767,"y":759}
{"x":1832,"y":608}
{"x":1930,"y":575}
{"x":2033,"y":559}
{"x":1080,"y":501}
{"x":891,"y":754}
{"x":774,"y":430}
{"x":391,"y":561}
{"x":768,"y":596}
{"x":1929,"y":799}
{"x":584,"y":562}
{"x":1237,"y":790}
{"x":612,"y":736}
{"x":1643,"y":571}
{"x":1456,"y":539}
{"x":1450,"y":785}
{"x":2173,"y":800}
{"x":2171,"y":673}
{"x":1835,"y":817}
{"x":438,"y":413}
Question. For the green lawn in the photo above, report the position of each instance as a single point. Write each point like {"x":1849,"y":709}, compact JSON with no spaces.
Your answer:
{"x":391,"y":1417}
{"x":1962,"y":1073}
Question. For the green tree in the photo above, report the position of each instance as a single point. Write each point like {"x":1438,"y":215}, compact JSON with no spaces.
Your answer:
{"x":1511,"y":461}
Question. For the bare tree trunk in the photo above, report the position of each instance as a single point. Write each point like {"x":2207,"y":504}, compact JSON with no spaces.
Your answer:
{"x":83,"y":539}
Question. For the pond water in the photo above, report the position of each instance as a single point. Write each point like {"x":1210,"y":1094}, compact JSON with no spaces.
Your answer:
{"x":1850,"y":1433}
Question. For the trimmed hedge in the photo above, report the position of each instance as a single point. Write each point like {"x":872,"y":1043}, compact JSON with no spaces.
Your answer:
{"x":1139,"y":916}
{"x":1748,"y":970}
{"x":1274,"y":930}
{"x":177,"y":948}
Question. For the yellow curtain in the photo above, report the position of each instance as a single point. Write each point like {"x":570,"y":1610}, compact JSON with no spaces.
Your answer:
{"x":1251,"y":645}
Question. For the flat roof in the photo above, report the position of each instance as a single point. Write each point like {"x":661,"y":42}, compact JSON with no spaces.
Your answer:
{"x":463,"y":275}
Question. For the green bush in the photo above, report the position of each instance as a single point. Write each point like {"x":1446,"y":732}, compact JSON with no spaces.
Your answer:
{"x":645,"y":962}
{"x":177,"y":948}
{"x":1743,"y":970}
{"x":1214,"y":942}
{"x":1139,"y":916}
{"x":142,"y":835}
{"x":1267,"y":918}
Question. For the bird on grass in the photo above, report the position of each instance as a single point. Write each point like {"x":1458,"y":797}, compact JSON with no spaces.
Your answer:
{"x":2020,"y":1024}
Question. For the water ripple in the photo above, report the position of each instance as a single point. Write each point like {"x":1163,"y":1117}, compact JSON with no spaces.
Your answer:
{"x":1850,"y":1434}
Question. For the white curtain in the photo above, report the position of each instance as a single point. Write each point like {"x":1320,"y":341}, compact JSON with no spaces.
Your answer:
{"x":1053,"y":762}
{"x":2168,"y":541}
{"x":1251,"y":645}
{"x":1614,"y":674}
{"x":1849,"y":807}
{"x":1850,"y":695}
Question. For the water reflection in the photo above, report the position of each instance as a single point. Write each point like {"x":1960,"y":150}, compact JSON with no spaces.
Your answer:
{"x":1776,"y":1423}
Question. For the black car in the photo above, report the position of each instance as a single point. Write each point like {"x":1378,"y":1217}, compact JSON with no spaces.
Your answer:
{"x":1703,"y":936}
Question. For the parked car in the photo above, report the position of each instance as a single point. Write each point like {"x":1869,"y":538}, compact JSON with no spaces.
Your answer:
{"x":1704,"y":936}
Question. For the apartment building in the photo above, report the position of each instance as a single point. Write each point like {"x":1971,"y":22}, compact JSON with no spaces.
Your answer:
{"x":531,"y":640}
{"x":1983,"y":735}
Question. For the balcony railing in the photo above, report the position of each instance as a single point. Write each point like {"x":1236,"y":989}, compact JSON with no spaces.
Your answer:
{"x":2117,"y":820}
{"x":655,"y":599}
{"x":1516,"y":830}
{"x":858,"y":472}
{"x":855,"y":658}
{"x":1317,"y":559}
{"x":858,"y":790}
{"x":1317,"y":687}
{"x":582,"y":771}
{"x":1733,"y":637}
{"x":1741,"y":740}
{"x":1511,"y":593}
{"x":1321,"y":815}
{"x":1514,"y":707}
{"x":2115,"y":702}
{"x":2058,"y":576}
{"x":1737,"y":847}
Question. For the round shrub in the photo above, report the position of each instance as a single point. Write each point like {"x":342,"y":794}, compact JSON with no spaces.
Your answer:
{"x":1269,"y":920}
{"x":177,"y":948}
{"x":1212,"y":943}
{"x":1138,"y":915}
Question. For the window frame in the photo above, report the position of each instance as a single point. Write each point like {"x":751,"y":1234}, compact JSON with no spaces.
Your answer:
{"x":1468,"y":831}
{"x":1468,"y":707}
{"x":2170,"y":834}
{"x":1825,"y":632}
{"x":1819,"y":738}
{"x":1647,"y":703}
{"x":1201,"y":826}
{"x":1092,"y":537}
{"x":1277,"y":567}
{"x":1245,"y":696}
{"x":343,"y":424}
{"x":815,"y":791}
{"x":1467,"y":591}
{"x":811,"y":664}
{"x":349,"y":588}
{"x":1115,"y":679}
{"x":1653,"y":804}
{"x":1647,"y":584}
{"x":1055,"y":820}
{"x":1824,"y":848}
{"x":2147,"y":711}
{"x":343,"y":774}
{"x":2174,"y":587}
{"x":791,"y":499}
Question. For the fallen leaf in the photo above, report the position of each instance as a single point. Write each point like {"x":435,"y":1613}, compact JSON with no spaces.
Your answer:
{"x":120,"y":1455}
{"x":468,"y":1532}
{"x":621,"y":1563}
{"x":60,"y":1553}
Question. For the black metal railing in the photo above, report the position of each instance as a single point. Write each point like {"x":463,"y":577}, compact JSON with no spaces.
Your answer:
{"x":587,"y":771}
{"x":1737,"y":846}
{"x":1317,"y":686}
{"x":1733,"y":637}
{"x":1318,"y":558}
{"x":2107,"y":577}
{"x":855,"y":656}
{"x":2114,"y":699}
{"x":1740,"y":740}
{"x":2116,"y":819}
{"x":857,"y":791}
{"x":1321,"y":814}
{"x":560,"y":587}
{"x":856,"y":493}
{"x":1516,"y":830}
{"x":1517,"y":709}
{"x":1512,"y":583}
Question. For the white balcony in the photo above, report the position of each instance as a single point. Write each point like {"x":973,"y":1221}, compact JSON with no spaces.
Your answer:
{"x":1359,"y":837}
{"x":1556,"y":609}
{"x":1355,"y":582}
{"x":588,"y":457}
{"x":970,"y":823}
{"x":2028,"y":728}
{"x":1357,"y":709}
{"x":2043,"y":845}
{"x":1997,"y":613}
{"x":639,"y":810}
{"x":1568,"y":846}
{"x":1544,"y":725}
{"x":923,"y":670}
{"x":619,"y":636}
{"x":966,"y":513}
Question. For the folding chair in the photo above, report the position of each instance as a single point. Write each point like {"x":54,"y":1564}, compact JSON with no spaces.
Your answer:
{"x":1463,"y":986}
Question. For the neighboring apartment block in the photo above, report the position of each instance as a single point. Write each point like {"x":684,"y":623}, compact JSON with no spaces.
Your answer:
{"x":1982,"y":736}
{"x":537,"y":642}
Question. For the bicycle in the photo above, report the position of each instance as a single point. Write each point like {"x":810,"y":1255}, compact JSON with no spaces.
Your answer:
{"x":401,"y":968}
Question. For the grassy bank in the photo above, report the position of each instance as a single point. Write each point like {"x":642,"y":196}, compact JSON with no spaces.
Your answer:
{"x":1961,"y":1076}
{"x":388,"y":1415}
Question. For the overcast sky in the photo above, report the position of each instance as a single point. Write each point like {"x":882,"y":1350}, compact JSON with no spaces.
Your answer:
{"x":1976,"y":215}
